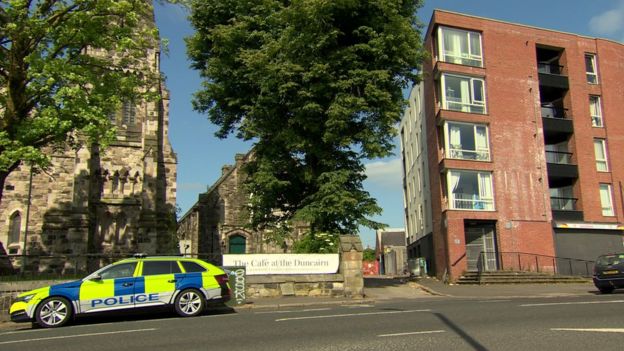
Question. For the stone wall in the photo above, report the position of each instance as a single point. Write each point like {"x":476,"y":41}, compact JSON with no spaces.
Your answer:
{"x":348,"y":282}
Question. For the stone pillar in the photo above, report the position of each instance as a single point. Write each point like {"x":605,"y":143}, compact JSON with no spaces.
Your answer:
{"x":351,"y":265}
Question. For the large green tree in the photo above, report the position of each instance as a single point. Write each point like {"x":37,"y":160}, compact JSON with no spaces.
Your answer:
{"x":64,"y":67}
{"x":317,"y":85}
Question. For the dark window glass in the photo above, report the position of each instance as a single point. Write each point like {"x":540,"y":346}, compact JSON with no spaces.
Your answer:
{"x":192,"y":267}
{"x":160,"y":267}
{"x":14,"y":228}
{"x":119,"y":271}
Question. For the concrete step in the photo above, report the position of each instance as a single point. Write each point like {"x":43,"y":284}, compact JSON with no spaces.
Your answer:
{"x":508,"y":277}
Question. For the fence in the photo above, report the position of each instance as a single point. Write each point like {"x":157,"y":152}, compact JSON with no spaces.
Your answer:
{"x":67,"y":267}
{"x":529,"y":262}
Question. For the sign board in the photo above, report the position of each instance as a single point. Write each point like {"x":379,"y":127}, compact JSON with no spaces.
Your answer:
{"x":238,"y":284}
{"x":588,"y":226}
{"x":258,"y":264}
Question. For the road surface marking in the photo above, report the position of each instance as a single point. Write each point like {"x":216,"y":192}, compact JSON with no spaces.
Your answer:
{"x":348,"y":315}
{"x":492,"y":301}
{"x":76,"y":336}
{"x":596,"y":330}
{"x":292,"y":311}
{"x":412,"y":333}
{"x":570,"y":303}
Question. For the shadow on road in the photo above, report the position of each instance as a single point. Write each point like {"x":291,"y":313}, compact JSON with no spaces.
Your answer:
{"x":459,"y":331}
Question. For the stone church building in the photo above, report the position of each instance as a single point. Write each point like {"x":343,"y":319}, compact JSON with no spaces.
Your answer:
{"x":218,"y":222}
{"x":111,"y":201}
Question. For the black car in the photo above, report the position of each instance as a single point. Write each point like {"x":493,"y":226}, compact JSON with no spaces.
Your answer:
{"x":609,"y":272}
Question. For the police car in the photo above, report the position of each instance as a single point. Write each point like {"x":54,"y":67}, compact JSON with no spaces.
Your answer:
{"x":186,"y":283}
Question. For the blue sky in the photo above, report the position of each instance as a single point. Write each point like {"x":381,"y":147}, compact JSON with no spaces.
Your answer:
{"x":201,"y":154}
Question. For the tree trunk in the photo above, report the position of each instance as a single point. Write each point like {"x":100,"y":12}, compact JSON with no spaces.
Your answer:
{"x":4,"y":175}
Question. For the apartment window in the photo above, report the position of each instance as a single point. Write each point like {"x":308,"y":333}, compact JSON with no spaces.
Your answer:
{"x":466,"y":141}
{"x":461,"y":93}
{"x":606,"y":200}
{"x":460,"y":46}
{"x":595,"y":111}
{"x":600,"y":150}
{"x":470,"y":190}
{"x":590,"y":69}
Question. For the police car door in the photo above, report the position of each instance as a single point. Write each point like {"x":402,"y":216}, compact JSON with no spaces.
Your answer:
{"x":110,"y":289}
{"x":160,"y":282}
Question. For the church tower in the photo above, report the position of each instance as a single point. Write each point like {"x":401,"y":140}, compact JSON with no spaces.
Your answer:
{"x":99,"y":202}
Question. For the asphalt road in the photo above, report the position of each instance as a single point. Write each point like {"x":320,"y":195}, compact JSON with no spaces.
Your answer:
{"x":592,"y":322}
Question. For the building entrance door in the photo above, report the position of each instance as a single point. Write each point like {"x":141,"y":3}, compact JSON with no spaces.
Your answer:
{"x":480,"y":239}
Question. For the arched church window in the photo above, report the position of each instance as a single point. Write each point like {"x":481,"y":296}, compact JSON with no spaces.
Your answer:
{"x":14,"y":228}
{"x":237,"y":244}
{"x":128,"y":113}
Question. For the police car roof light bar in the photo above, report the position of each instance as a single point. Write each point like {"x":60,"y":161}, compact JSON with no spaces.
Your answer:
{"x":140,"y":255}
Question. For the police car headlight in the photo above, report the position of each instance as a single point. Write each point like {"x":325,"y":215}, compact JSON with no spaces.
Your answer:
{"x":25,"y":298}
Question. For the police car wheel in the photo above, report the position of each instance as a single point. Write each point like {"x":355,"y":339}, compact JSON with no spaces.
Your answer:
{"x":53,"y":312}
{"x":189,"y":303}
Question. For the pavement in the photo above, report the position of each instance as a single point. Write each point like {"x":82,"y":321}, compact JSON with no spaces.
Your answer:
{"x":380,"y":288}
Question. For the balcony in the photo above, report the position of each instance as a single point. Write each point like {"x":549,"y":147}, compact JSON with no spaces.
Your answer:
{"x":559,"y":157}
{"x":564,"y":208}
{"x":551,"y":76}
{"x":463,"y":201}
{"x":557,"y":123}
{"x":549,"y":68}
{"x":456,"y":152}
{"x":561,"y":171}
{"x":550,"y":110}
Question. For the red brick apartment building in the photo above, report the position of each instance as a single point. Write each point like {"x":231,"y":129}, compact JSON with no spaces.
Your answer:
{"x":521,"y":140}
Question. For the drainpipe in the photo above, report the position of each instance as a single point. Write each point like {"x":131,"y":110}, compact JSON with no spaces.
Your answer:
{"x":25,"y":251}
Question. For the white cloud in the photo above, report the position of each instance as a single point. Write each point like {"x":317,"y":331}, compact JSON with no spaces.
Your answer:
{"x":610,"y":22}
{"x":385,"y":173}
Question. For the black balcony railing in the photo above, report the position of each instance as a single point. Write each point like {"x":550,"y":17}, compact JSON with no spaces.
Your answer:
{"x":563,"y":203}
{"x":550,"y":111}
{"x":529,"y":262}
{"x":559,"y":157}
{"x":549,"y":68}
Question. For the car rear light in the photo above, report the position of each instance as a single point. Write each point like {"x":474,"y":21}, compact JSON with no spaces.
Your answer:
{"x":222,"y":279}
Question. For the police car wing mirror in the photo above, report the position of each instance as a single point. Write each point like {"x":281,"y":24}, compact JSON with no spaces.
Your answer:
{"x":96,"y":277}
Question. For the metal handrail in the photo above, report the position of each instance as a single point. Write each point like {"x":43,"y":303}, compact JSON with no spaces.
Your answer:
{"x":549,"y":68}
{"x":550,"y":111}
{"x":563,"y":203}
{"x":531,"y":262}
{"x":559,"y":157}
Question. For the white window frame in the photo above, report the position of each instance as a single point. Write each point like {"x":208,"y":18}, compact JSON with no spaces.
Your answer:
{"x":606,"y":200}
{"x":592,"y":76}
{"x":595,"y":111}
{"x":464,"y":58}
{"x":484,"y":201}
{"x":481,"y":154}
{"x":472,"y":103}
{"x":602,"y":163}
